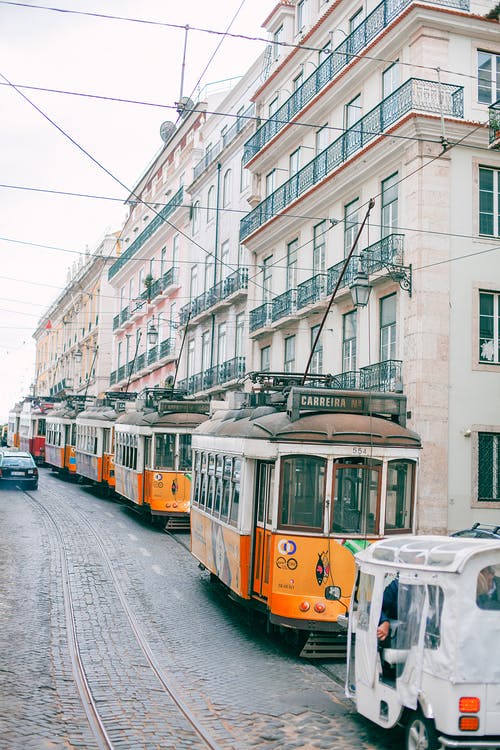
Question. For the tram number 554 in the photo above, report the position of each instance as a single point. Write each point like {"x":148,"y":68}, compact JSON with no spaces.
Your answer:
{"x":359,"y":451}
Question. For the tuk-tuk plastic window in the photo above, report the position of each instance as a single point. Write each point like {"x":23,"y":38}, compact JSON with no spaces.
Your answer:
{"x":432,"y":637}
{"x":363,"y":600}
{"x":488,"y":588}
{"x":303,"y":491}
{"x":399,"y":496}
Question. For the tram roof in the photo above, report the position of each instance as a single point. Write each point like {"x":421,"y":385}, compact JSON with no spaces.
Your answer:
{"x":267,"y":423}
{"x":425,"y":551}
{"x":168,"y":419}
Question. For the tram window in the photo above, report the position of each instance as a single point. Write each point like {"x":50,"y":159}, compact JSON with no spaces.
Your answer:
{"x":302,"y":491}
{"x":204,"y":462}
{"x":185,"y":453}
{"x":165,"y":451}
{"x":197,"y":461}
{"x":356,"y":499}
{"x":73,"y":434}
{"x":218,"y":497}
{"x":226,"y":497}
{"x":204,"y":488}
{"x":218,"y":466}
{"x":211,"y":492}
{"x":399,"y":495}
{"x":211,"y":463}
{"x":235,"y":504}
{"x":196,"y":499}
{"x":41,"y":427}
{"x":105,"y":441}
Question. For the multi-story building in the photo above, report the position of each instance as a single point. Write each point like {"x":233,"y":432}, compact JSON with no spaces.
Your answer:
{"x":214,"y":319}
{"x":386,"y":101}
{"x":73,"y":337}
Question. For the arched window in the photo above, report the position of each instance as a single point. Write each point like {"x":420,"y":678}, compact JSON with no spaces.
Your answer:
{"x":210,"y":204}
{"x":226,"y":188}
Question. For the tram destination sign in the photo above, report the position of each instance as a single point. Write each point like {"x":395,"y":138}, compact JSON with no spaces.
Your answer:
{"x":302,"y":400}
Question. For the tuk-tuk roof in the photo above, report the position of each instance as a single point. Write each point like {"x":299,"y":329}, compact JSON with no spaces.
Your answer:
{"x":423,"y":552}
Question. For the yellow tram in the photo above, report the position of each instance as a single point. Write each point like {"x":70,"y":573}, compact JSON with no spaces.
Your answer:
{"x":60,"y":440}
{"x":13,"y":428}
{"x":290,"y":484}
{"x":94,"y":452}
{"x":153,"y":455}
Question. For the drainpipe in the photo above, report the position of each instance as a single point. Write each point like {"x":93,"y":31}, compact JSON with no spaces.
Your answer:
{"x":216,"y":245}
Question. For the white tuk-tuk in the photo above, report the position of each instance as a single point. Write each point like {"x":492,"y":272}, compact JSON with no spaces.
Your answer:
{"x":438,"y":669}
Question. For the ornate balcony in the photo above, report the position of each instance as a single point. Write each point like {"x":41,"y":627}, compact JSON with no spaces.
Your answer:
{"x":413,"y":95}
{"x":383,"y":376}
{"x":148,"y":232}
{"x":152,"y":355}
{"x":217,"y":294}
{"x":166,"y":348}
{"x":386,"y":253}
{"x":284,"y":305}
{"x":260,"y":316}
{"x":218,"y":375}
{"x":311,"y":291}
{"x":112,"y":377}
{"x":342,"y":55}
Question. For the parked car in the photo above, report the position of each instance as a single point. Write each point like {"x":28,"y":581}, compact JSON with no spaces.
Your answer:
{"x":18,"y":468}
{"x":480,"y":531}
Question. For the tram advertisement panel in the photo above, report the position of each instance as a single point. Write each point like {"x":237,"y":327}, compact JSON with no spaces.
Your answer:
{"x":54,"y":455}
{"x":128,"y":483}
{"x":222,"y":550}
{"x":89,"y":466}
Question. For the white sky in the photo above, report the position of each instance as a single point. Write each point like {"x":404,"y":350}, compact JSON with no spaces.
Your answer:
{"x":94,"y":56}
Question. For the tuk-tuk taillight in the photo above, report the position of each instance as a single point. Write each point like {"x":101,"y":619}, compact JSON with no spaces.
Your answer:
{"x":468,"y":705}
{"x":468,"y":723}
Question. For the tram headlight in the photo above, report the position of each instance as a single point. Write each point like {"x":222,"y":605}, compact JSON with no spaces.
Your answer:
{"x":304,"y":606}
{"x":333,"y":593}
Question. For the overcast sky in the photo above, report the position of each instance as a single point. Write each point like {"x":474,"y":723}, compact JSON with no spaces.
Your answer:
{"x":43,"y":234}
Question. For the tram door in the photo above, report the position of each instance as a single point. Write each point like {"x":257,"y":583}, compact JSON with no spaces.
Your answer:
{"x":262,"y":538}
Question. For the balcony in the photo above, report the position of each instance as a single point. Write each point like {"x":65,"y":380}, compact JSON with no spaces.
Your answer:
{"x":220,"y":293}
{"x":387,"y":254}
{"x":494,"y":123}
{"x":311,"y":291}
{"x":260,"y":317}
{"x":226,"y":139}
{"x":167,"y":348}
{"x":284,"y":305}
{"x":218,"y":375}
{"x":414,"y":95}
{"x":342,"y":55}
{"x":166,"y":281}
{"x":144,"y":236}
{"x":382,"y":376}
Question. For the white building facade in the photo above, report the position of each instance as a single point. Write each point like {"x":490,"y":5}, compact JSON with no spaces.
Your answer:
{"x":389,"y":102}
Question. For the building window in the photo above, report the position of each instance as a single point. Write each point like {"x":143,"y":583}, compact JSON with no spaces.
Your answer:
{"x":488,"y":467}
{"x":239,"y":341}
{"x":244,"y":176}
{"x":175,"y":252}
{"x":355,"y":20}
{"x":319,"y":247}
{"x":488,"y":77}
{"x":241,"y":256}
{"x":226,"y":188}
{"x":224,"y":260}
{"x":317,"y":357}
{"x":209,"y":272}
{"x":163,"y":259}
{"x":489,"y":327}
{"x":205,"y":351}
{"x":273,"y":106}
{"x":351,"y":221}
{"x":211,"y":203}
{"x":221,"y":344}
{"x":195,"y":217}
{"x":388,"y":328}
{"x":265,"y":359}
{"x":489,"y":202}
{"x":267,"y":278}
{"x":294,"y":163}
{"x":277,"y":39}
{"x":300,"y":15}
{"x":297,"y":81}
{"x":190,"y":358}
{"x":289,"y":360}
{"x":353,"y":112}
{"x":390,"y":79}
{"x":389,"y":217}
{"x":270,"y":182}
{"x":291,"y":264}
{"x":322,"y":138}
{"x":193,"y":282}
{"x":349,"y":342}
{"x":172,"y":321}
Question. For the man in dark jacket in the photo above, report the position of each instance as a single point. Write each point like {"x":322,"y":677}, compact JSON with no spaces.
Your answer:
{"x":389,"y":609}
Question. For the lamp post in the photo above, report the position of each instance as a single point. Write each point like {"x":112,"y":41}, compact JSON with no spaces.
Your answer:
{"x":360,"y":287}
{"x":152,"y":333}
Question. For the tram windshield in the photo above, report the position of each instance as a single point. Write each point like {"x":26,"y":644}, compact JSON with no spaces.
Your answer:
{"x":356,"y":499}
{"x":303,"y":483}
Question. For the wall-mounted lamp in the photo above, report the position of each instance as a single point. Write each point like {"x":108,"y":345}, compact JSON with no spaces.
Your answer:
{"x":78,"y":355}
{"x":152,"y":333}
{"x":360,"y":288}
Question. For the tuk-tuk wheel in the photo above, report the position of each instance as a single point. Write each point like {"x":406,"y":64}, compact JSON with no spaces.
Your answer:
{"x":420,"y":733}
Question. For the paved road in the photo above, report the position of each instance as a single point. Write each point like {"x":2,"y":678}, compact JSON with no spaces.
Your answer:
{"x":245,"y":690}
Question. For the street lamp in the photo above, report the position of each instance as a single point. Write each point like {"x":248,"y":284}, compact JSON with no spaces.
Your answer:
{"x":78,"y":355}
{"x":360,"y":288}
{"x":152,"y":333}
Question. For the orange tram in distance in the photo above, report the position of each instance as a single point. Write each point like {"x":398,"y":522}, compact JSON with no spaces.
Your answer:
{"x":288,"y":486}
{"x":60,"y":440}
{"x":13,"y":426}
{"x":32,"y":426}
{"x":153,"y":455}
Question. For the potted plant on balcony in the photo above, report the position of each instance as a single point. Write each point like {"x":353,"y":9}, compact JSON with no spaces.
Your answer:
{"x":148,"y":283}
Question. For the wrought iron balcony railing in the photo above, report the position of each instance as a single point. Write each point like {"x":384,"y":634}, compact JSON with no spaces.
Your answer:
{"x":311,"y":291}
{"x":284,"y":304}
{"x":227,"y":138}
{"x":386,"y":253}
{"x":148,"y":232}
{"x":494,"y":123}
{"x":350,"y":47}
{"x":112,"y":377}
{"x":415,"y":94}
{"x":152,"y":355}
{"x":167,"y":347}
{"x":218,"y":293}
{"x":382,"y":376}
{"x":232,"y":369}
{"x":260,"y":316}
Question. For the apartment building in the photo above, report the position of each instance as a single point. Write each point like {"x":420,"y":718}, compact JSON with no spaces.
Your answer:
{"x":73,"y":337}
{"x":214,"y":320}
{"x":389,"y":102}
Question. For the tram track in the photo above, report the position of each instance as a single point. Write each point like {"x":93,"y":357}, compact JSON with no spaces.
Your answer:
{"x":96,"y":722}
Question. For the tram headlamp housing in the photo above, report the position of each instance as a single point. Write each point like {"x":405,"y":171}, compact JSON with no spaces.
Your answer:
{"x":333,"y":593}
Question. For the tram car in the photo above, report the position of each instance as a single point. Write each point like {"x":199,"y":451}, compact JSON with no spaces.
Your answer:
{"x":60,"y":440}
{"x":94,"y":452}
{"x":288,"y":486}
{"x":153,"y":455}
{"x":13,"y":427}
{"x":32,"y":426}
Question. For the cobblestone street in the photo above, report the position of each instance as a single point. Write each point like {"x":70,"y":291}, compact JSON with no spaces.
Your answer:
{"x":148,"y":625}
